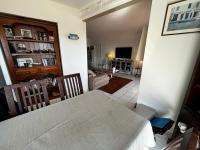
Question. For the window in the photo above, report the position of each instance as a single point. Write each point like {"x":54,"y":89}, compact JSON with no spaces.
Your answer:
{"x":175,"y":17}
{"x":195,"y":14}
{"x":177,"y":8}
{"x":181,"y":16}
{"x":198,"y":4}
{"x":187,"y":15}
{"x":190,"y":5}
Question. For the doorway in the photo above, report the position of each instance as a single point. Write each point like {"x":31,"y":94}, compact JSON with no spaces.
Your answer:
{"x":116,"y":41}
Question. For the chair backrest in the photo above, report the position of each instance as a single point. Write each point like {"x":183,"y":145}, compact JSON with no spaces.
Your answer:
{"x":28,"y":97}
{"x":70,"y":86}
{"x":187,"y":141}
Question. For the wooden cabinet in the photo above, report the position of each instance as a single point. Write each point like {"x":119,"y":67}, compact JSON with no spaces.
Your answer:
{"x":51,"y":70}
{"x":190,"y":111}
{"x":30,"y":47}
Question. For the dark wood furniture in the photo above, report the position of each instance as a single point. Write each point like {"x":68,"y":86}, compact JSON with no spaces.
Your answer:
{"x":3,"y":106}
{"x":25,"y":97}
{"x":187,"y":141}
{"x":28,"y":96}
{"x":190,"y":111}
{"x":2,"y":79}
{"x":30,"y":46}
{"x":70,"y":86}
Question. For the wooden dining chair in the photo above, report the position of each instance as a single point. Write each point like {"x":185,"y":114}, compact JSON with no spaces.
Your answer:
{"x":70,"y":86}
{"x":187,"y":141}
{"x":25,"y":97}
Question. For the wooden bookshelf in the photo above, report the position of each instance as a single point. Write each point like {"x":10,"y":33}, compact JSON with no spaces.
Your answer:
{"x":30,"y":54}
{"x":30,"y":46}
{"x":30,"y":40}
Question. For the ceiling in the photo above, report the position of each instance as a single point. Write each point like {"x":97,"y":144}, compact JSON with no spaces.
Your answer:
{"x":129,"y":19}
{"x":74,"y":3}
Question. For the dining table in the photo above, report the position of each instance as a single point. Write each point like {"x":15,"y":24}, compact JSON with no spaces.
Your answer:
{"x":90,"y":121}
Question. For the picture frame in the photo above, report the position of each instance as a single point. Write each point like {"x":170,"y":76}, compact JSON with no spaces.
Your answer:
{"x":51,"y":38}
{"x":8,"y":31}
{"x":24,"y":62}
{"x":26,"y":33}
{"x":182,"y":17}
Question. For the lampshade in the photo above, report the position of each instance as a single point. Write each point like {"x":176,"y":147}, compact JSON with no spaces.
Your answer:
{"x":111,"y":55}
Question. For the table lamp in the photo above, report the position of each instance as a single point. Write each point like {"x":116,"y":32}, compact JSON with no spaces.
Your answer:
{"x":111,"y":56}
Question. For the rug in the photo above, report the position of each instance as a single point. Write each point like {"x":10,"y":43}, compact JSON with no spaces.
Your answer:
{"x":115,"y":84}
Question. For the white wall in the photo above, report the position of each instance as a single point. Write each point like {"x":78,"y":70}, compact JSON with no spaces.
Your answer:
{"x":73,"y":53}
{"x":141,"y":48}
{"x":110,"y":41}
{"x":168,"y":64}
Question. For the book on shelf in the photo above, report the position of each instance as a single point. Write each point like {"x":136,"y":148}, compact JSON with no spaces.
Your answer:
{"x":48,"y":61}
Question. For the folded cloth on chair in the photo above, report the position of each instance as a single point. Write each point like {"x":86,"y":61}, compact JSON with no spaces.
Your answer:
{"x":159,"y":122}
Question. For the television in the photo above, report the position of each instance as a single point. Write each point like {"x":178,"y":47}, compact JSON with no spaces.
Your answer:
{"x":123,"y":52}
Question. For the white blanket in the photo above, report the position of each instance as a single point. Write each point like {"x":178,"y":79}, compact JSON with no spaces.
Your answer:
{"x":92,"y":121}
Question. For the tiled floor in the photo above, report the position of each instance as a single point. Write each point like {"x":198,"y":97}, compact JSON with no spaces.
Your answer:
{"x":129,"y":93}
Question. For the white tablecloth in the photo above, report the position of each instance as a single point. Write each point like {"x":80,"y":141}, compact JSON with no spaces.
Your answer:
{"x":92,"y":121}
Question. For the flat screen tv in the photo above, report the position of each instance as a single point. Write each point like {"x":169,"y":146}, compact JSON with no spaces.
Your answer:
{"x":123,"y":52}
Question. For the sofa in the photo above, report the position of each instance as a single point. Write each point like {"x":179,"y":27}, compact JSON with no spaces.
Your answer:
{"x":97,"y":80}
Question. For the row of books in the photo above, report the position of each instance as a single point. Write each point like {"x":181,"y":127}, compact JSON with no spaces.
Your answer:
{"x":48,"y":61}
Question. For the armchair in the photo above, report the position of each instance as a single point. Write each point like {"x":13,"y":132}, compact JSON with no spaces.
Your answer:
{"x":97,"y":80}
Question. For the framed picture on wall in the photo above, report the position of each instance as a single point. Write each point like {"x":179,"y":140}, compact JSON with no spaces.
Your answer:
{"x":182,"y":17}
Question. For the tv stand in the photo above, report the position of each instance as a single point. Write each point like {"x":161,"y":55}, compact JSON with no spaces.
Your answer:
{"x":123,"y":65}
